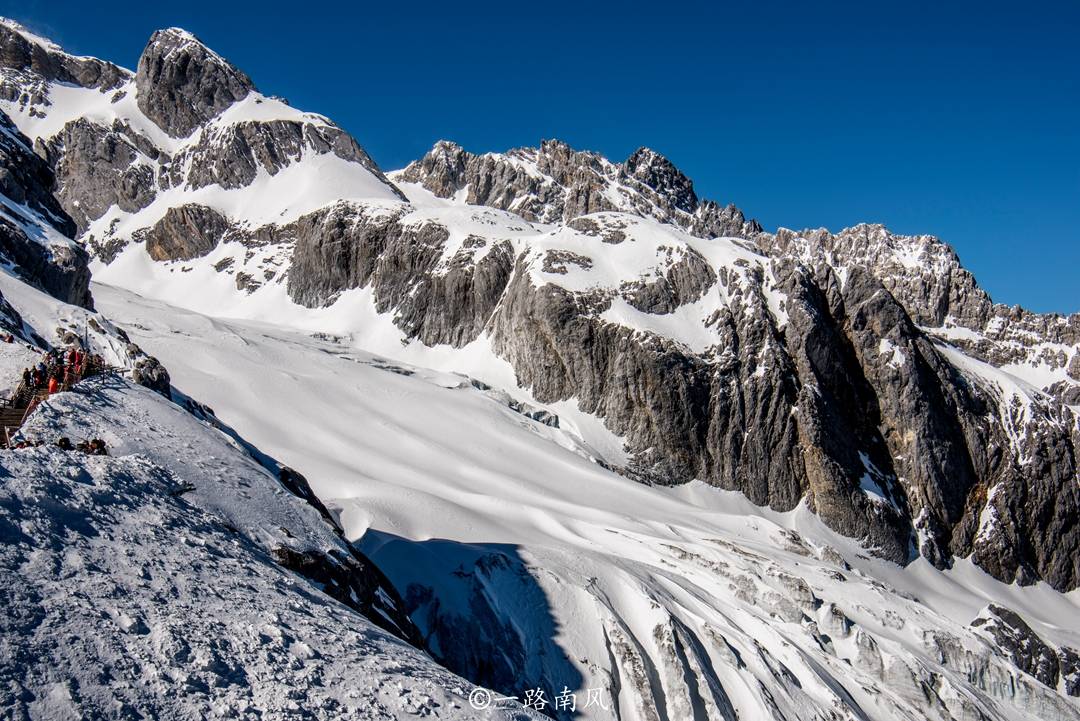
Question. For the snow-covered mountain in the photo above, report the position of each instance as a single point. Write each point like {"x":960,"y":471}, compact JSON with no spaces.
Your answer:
{"x":600,"y":433}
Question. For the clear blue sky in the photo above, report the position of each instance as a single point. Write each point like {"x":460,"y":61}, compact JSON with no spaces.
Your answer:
{"x":960,"y":119}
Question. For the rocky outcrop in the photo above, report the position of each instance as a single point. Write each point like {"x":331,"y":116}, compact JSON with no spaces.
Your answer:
{"x":1016,"y":641}
{"x":687,"y":279}
{"x":98,"y":168}
{"x":186,"y":232}
{"x":35,"y":232}
{"x":149,"y":372}
{"x":182,"y":84}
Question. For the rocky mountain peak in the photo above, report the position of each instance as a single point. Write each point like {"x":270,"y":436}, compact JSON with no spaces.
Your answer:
{"x":446,"y":148}
{"x":556,"y":183}
{"x":182,"y":83}
{"x":566,"y":166}
{"x":443,"y":168}
{"x":657,"y":172}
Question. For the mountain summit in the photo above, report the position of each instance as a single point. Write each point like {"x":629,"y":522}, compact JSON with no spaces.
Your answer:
{"x":182,"y":84}
{"x":555,"y":183}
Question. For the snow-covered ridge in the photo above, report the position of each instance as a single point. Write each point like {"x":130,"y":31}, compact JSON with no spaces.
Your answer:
{"x":34,"y":38}
{"x":325,"y":163}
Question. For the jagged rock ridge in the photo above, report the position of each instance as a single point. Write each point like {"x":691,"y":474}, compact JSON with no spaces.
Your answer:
{"x":554,"y":183}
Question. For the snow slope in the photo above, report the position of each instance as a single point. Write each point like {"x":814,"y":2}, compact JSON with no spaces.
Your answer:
{"x":515,"y":548}
{"x":145,"y":584}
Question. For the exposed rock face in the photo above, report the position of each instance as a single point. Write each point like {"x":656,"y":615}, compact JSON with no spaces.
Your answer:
{"x":190,"y":231}
{"x":1027,"y":651}
{"x":686,"y":280}
{"x":1070,"y":670}
{"x":556,"y":183}
{"x":35,"y":233}
{"x":98,"y":168}
{"x":347,"y":247}
{"x":356,"y":582}
{"x":182,"y":84}
{"x":26,"y":180}
{"x":941,"y":296}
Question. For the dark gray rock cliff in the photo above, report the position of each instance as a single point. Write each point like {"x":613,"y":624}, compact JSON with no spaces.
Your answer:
{"x":35,"y":232}
{"x":182,"y":84}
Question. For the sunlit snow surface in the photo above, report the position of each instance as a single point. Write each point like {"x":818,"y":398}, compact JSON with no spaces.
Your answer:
{"x":142,"y":585}
{"x":677,"y":602}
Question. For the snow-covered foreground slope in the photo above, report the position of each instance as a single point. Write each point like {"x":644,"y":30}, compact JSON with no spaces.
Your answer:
{"x":528,"y":565}
{"x":153,"y":582}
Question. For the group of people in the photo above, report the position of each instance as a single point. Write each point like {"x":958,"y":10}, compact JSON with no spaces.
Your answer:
{"x":92,"y":447}
{"x":59,"y":370}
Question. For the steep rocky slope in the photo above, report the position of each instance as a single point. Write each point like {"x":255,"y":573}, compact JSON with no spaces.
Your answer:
{"x":790,"y":366}
{"x":35,"y":232}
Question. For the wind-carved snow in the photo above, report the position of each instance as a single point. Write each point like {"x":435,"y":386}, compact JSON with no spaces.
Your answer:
{"x":871,"y":480}
{"x":893,"y":352}
{"x":512,"y":543}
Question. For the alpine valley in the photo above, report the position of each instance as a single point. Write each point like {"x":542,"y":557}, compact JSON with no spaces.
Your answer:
{"x":533,"y":420}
